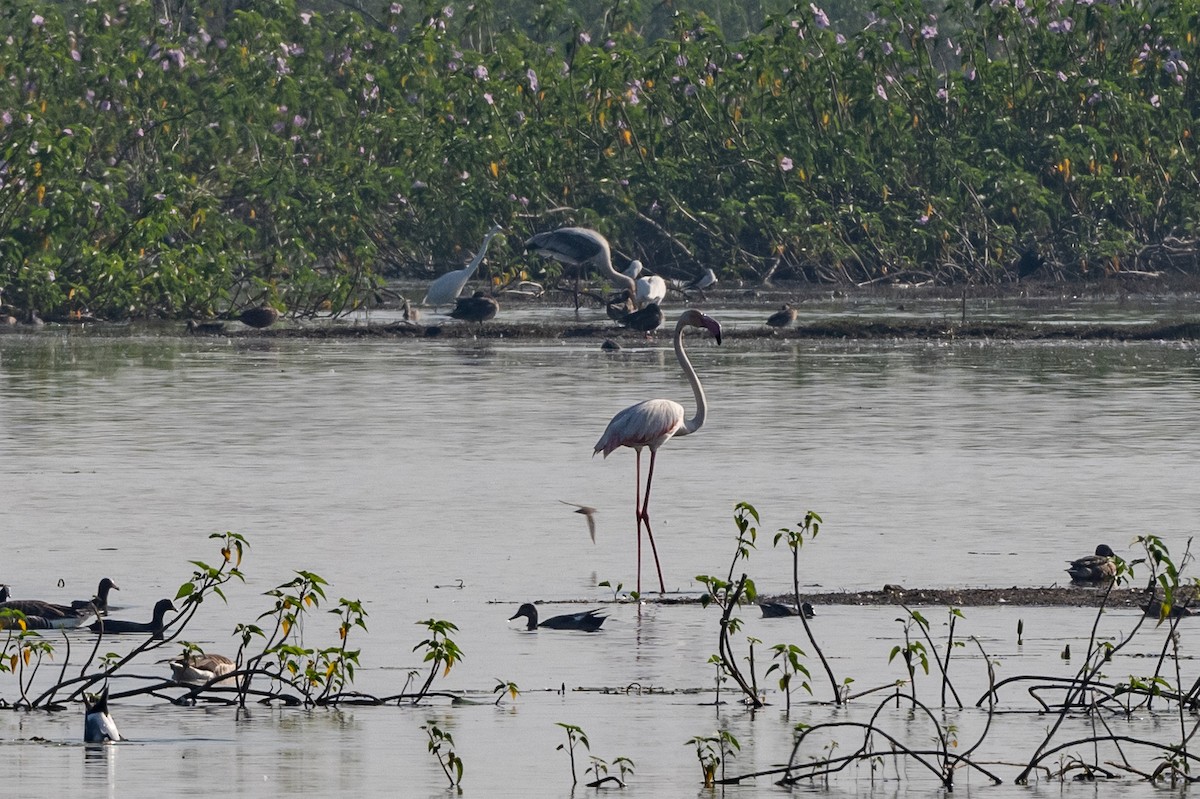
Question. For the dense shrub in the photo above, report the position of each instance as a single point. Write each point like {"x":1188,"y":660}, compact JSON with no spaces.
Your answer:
{"x":162,"y":164}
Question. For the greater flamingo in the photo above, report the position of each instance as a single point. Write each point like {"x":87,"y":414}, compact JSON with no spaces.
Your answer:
{"x":446,"y":288}
{"x":652,"y":423}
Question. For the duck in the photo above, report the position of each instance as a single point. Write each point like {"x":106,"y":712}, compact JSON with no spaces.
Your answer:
{"x":1094,"y":569}
{"x":100,"y":600}
{"x":587,"y":620}
{"x":477,"y":308}
{"x":98,"y":725}
{"x":201,"y":669}
{"x":619,"y":306}
{"x":1156,"y":609}
{"x":783,"y":317}
{"x":647,"y":320}
{"x":779,"y":610}
{"x":260,"y":317}
{"x":196,"y":328}
{"x":154,"y":626}
{"x":40,"y":615}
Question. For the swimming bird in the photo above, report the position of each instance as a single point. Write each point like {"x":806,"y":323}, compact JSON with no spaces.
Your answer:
{"x":652,"y":423}
{"x":778,"y":610}
{"x":201,"y":669}
{"x":1094,"y":569}
{"x":260,"y":317}
{"x":98,"y":725}
{"x":100,"y":600}
{"x":647,"y":319}
{"x":587,"y":620}
{"x":590,"y":513}
{"x":41,"y":615}
{"x":783,"y":317}
{"x":477,"y":308}
{"x":578,"y":246}
{"x":1158,"y":609}
{"x":446,"y":288}
{"x":154,"y":626}
{"x":648,"y":289}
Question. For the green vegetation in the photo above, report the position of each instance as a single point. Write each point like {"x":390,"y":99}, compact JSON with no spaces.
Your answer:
{"x":157,"y":163}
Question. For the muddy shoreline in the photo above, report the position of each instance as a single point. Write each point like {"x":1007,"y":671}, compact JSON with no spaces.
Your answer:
{"x":866,"y":329}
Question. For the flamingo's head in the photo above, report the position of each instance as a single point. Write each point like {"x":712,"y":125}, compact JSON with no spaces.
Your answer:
{"x":693,"y":318}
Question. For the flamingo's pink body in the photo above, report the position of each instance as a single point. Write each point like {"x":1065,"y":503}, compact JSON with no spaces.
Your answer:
{"x":652,"y":423}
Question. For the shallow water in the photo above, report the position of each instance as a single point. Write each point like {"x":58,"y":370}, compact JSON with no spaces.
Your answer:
{"x":397,"y":469}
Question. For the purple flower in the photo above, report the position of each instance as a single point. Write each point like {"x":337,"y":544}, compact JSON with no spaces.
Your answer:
{"x":487,"y":98}
{"x":531,"y":76}
{"x":923,"y":219}
{"x":681,"y":60}
{"x":942,"y":94}
{"x":585,"y":37}
{"x":819,"y":17}
{"x":38,"y":20}
{"x":481,"y":72}
{"x":75,"y":56}
{"x":929,"y":31}
{"x":785,"y":164}
{"x":1155,"y":101}
{"x":396,"y":8}
{"x":879,"y":90}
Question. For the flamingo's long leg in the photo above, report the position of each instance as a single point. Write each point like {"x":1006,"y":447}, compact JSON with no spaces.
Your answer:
{"x":637,"y":514}
{"x":644,"y":516}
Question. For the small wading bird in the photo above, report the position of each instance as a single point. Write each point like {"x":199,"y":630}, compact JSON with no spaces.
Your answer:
{"x":98,"y":725}
{"x":651,"y":424}
{"x":477,"y":308}
{"x":154,"y":626}
{"x":200,"y":669}
{"x":446,"y":288}
{"x":706,"y":280}
{"x":590,"y":513}
{"x":783,"y":317}
{"x":1094,"y":569}
{"x":588,"y":620}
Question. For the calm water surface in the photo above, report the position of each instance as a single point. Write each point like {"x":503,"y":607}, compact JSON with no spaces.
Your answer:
{"x":400,"y":470}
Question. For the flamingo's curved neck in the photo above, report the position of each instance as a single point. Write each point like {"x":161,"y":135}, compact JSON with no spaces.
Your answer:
{"x":697,"y":421}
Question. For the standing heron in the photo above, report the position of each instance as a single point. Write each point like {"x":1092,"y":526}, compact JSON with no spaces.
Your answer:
{"x":446,"y":288}
{"x":652,"y":423}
